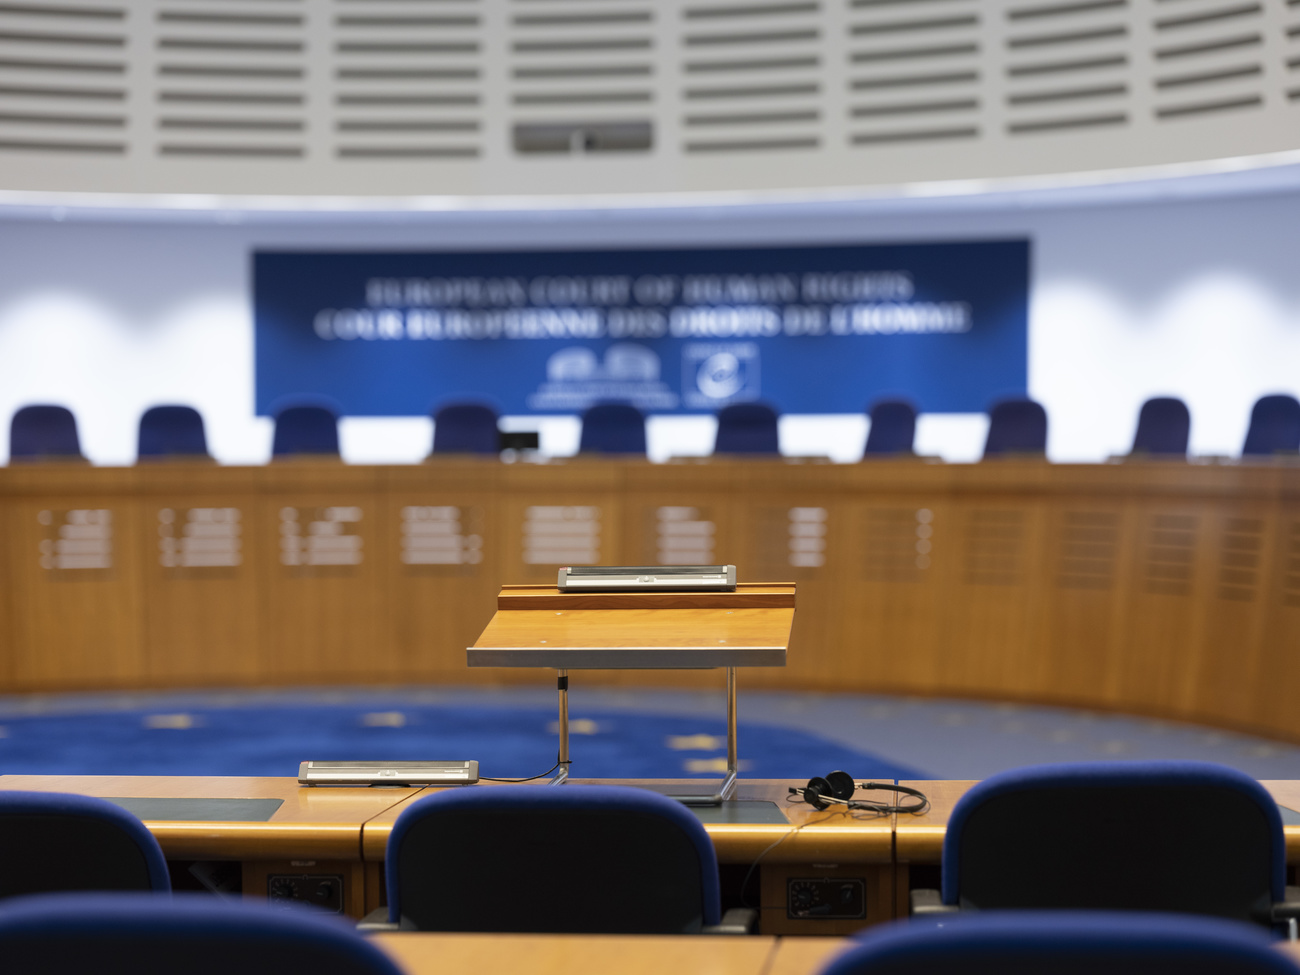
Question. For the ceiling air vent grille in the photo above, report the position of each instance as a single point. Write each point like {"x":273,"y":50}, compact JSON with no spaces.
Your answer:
{"x":914,"y":72}
{"x":63,"y":79}
{"x":1208,"y":58}
{"x":407,"y":79}
{"x":581,"y":75}
{"x":1067,"y":66}
{"x":231,"y":79}
{"x":751,"y":76}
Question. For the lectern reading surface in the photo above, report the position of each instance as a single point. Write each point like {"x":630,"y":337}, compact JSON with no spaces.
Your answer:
{"x":540,"y":626}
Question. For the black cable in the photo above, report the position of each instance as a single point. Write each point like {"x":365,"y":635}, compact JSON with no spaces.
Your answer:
{"x":539,"y":775}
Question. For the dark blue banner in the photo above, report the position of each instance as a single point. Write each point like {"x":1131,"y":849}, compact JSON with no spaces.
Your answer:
{"x":807,"y":329}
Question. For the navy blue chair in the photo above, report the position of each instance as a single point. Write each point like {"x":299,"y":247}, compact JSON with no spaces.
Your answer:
{"x":1016,"y":427}
{"x":141,"y":934}
{"x":466,"y":428}
{"x":1064,"y":943}
{"x":578,"y":859}
{"x":50,"y":841}
{"x":612,"y":428}
{"x":1164,"y":427}
{"x":1185,"y":837}
{"x":893,"y":428}
{"x":306,"y":430}
{"x":44,"y":433}
{"x":171,"y":431}
{"x":747,"y":428}
{"x":1274,"y":427}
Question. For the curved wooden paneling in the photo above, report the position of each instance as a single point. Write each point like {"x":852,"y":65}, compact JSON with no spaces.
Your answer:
{"x":1165,"y":589}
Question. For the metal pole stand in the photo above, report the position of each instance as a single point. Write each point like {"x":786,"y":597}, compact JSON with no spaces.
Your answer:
{"x":728,"y":787}
{"x":562,"y":685}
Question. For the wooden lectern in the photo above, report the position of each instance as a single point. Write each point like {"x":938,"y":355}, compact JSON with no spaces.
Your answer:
{"x":540,"y":626}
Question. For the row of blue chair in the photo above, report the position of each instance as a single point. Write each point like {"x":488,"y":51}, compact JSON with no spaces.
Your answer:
{"x":1200,"y":843}
{"x":1017,"y":427}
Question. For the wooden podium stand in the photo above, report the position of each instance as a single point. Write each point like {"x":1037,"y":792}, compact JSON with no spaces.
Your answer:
{"x":540,"y":626}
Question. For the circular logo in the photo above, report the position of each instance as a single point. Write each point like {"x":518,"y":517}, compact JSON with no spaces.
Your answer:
{"x":719,"y":376}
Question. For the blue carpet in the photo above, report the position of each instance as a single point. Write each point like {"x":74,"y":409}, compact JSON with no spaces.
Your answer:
{"x":508,"y":742}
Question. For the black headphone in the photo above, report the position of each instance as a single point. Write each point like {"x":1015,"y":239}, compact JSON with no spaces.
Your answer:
{"x":838,"y":788}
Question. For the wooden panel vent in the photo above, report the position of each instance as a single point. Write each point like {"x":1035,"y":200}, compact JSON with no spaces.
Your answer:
{"x":1170,"y":554}
{"x":63,"y":78}
{"x":995,"y":543}
{"x":897,"y":544}
{"x":407,"y":79}
{"x":914,"y":72}
{"x":752,"y":76}
{"x":1089,"y":546}
{"x":1291,"y":567}
{"x":1240,"y":548}
{"x":582,"y":76}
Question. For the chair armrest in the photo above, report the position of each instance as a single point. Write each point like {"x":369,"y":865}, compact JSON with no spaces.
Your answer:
{"x":925,"y":901}
{"x":738,"y":920}
{"x":376,"y":921}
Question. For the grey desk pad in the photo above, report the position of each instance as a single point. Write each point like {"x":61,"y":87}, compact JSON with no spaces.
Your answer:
{"x":761,"y":812}
{"x":1289,"y":816}
{"x":200,"y":810}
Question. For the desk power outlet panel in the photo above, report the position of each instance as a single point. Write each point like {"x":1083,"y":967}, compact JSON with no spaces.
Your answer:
{"x":825,"y":898}
{"x":323,"y":890}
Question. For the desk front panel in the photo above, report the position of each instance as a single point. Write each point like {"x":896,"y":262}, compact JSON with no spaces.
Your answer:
{"x":1166,"y":589}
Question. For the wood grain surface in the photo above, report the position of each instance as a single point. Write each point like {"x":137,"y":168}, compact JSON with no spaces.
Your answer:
{"x":1164,"y":589}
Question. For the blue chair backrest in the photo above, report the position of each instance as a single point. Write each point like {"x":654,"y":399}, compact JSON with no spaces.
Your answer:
{"x":580,"y":859}
{"x":1164,"y":427}
{"x":1165,"y":836}
{"x":466,"y":428}
{"x":198,"y":934}
{"x":52,"y":841}
{"x":747,"y":428}
{"x":612,"y":428}
{"x":893,"y":428}
{"x":1064,"y":943}
{"x":37,"y":432}
{"x":1016,"y":426}
{"x":172,"y":431}
{"x":1274,"y":427}
{"x":306,"y":430}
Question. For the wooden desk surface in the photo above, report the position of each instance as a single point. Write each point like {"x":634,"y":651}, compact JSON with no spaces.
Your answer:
{"x":804,"y":956}
{"x":920,"y":838}
{"x":558,"y":954}
{"x":320,"y":823}
{"x":832,"y":834}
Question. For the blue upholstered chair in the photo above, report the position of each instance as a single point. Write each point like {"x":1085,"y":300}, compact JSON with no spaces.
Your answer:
{"x":578,"y":859}
{"x":50,"y":841}
{"x":466,"y":428}
{"x":171,"y":431}
{"x":44,"y":432}
{"x":1274,"y":427}
{"x":1187,"y":837}
{"x":747,"y":428}
{"x":1017,"y":427}
{"x":893,"y":428}
{"x":306,"y":430}
{"x":612,"y":428}
{"x":1064,"y":943}
{"x":141,"y":934}
{"x":1164,"y":427}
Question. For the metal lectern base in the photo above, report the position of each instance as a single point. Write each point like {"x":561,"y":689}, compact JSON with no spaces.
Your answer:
{"x":725,"y":791}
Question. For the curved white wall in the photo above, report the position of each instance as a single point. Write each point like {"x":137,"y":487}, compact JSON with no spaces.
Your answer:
{"x":1198,"y":299}
{"x":479,"y":98}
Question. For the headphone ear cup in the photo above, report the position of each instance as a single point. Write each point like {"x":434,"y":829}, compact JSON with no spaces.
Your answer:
{"x":813,"y":792}
{"x":841,"y":785}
